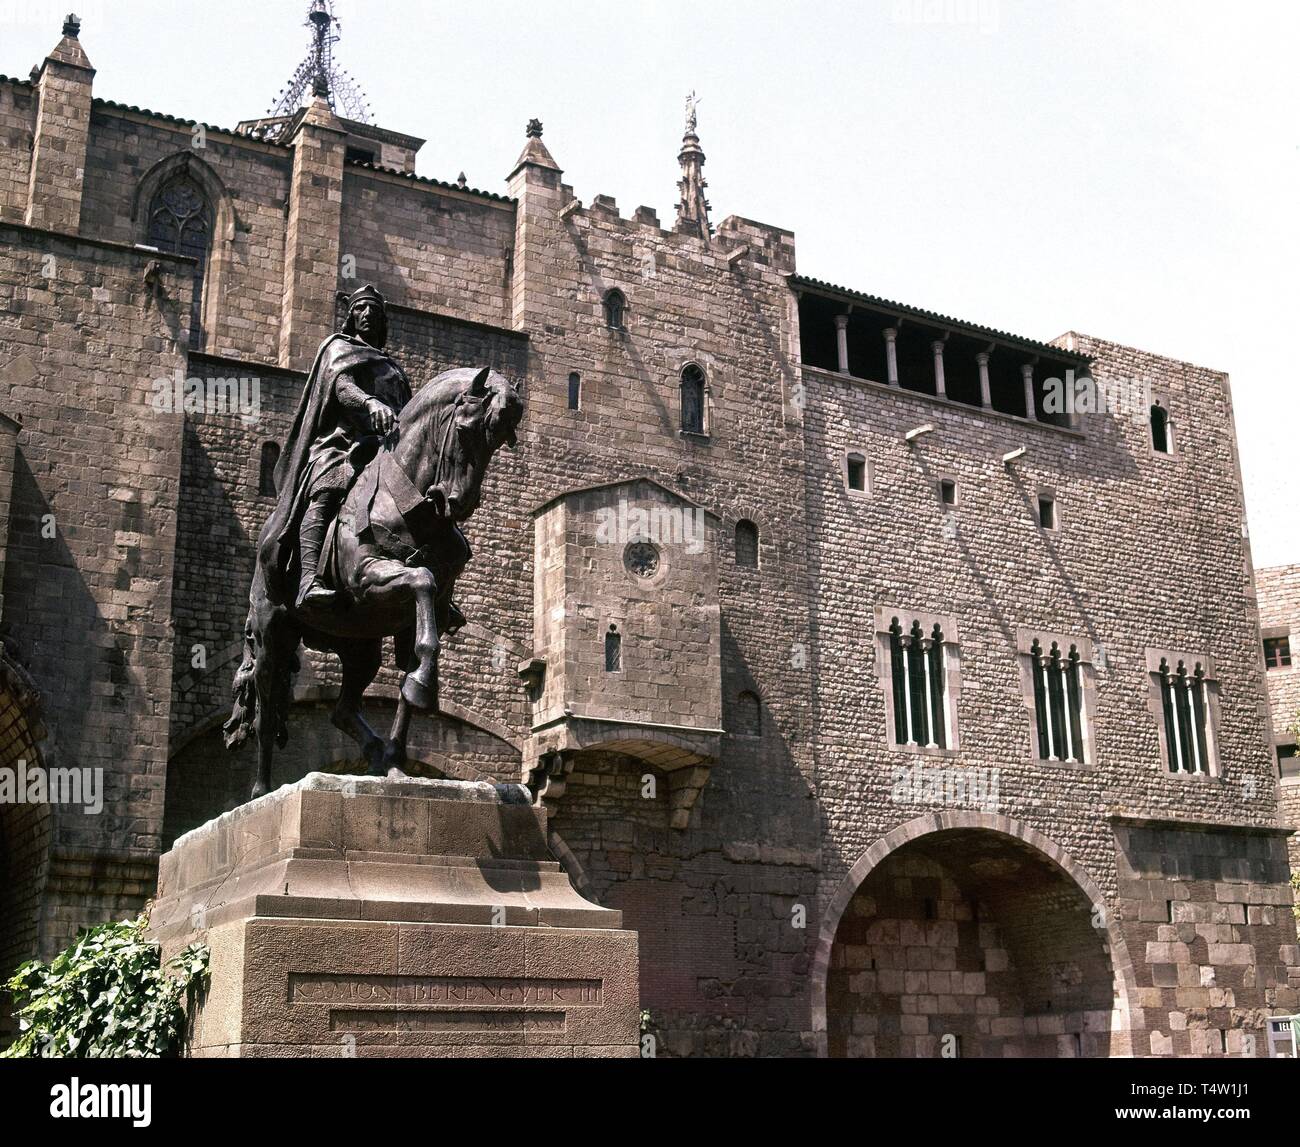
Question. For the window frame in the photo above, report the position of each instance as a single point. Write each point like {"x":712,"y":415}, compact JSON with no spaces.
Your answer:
{"x":1274,"y":636}
{"x":695,"y":369}
{"x":883,"y":619}
{"x":735,"y":546}
{"x":1159,"y":401}
{"x":1046,"y":494}
{"x":867,"y":475}
{"x":614,"y":295}
{"x":1155,"y":703}
{"x":1025,"y":639}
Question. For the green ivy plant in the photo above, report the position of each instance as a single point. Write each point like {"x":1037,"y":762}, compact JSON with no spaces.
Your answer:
{"x":109,"y":995}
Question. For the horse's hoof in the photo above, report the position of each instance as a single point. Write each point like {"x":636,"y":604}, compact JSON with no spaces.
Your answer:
{"x":396,"y":774}
{"x":259,"y":790}
{"x":419,"y":695}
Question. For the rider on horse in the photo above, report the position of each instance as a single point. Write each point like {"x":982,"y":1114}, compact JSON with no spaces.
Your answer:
{"x":349,"y":406}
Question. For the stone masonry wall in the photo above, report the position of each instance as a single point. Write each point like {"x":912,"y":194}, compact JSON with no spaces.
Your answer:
{"x":88,"y":581}
{"x":16,"y":127}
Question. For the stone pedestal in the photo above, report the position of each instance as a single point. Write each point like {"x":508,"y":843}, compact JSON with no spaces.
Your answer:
{"x":358,"y":916}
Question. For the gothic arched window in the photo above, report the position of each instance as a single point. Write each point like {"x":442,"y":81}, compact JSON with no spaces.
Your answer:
{"x":180,"y":222}
{"x":615,"y":306}
{"x":693,"y":400}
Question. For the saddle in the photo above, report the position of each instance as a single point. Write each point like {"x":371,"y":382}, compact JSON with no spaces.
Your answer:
{"x":389,"y":515}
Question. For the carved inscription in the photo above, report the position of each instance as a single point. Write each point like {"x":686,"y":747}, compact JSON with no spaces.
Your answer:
{"x":383,"y":1020}
{"x":397,"y":991}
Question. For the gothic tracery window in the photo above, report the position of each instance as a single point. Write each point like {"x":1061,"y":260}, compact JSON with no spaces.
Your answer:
{"x":180,"y":222}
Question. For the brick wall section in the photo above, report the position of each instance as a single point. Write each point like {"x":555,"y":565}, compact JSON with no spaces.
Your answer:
{"x":17,"y":125}
{"x":58,"y":159}
{"x":89,"y":606}
{"x":1208,"y":921}
{"x":311,"y":237}
{"x":1278,"y":588}
{"x":130,"y":153}
{"x":435,"y":250}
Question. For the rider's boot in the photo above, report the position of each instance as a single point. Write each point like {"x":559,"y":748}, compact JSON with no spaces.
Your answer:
{"x":311,"y":537}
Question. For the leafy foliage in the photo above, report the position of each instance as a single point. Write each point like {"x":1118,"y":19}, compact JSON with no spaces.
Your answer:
{"x":107,"y":996}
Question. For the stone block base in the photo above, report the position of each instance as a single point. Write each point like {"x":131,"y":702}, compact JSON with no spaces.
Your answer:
{"x":361,"y":917}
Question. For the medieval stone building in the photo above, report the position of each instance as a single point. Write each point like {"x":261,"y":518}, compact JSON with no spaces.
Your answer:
{"x":888,"y":698}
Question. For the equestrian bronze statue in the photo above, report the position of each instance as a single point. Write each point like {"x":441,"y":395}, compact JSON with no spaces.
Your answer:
{"x":365,"y":539}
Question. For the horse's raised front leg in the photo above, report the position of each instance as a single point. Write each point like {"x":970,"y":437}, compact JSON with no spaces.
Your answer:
{"x":390,"y":582}
{"x":360,"y":660}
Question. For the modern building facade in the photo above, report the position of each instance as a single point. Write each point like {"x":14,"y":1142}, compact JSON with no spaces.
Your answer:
{"x":902,"y":706}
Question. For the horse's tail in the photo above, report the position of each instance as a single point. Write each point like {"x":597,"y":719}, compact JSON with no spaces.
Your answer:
{"x":244,"y":688}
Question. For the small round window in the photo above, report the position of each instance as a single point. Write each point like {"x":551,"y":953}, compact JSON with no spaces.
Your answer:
{"x":642,"y":559}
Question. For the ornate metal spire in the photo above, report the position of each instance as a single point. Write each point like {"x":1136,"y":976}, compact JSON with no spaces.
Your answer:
{"x":318,"y":75}
{"x":692,"y":207}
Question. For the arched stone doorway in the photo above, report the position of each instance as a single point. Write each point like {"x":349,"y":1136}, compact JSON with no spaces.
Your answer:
{"x":972,"y":935}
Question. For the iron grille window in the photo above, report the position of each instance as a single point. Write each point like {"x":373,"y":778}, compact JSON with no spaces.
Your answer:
{"x":180,"y":221}
{"x":693,"y":400}
{"x":1058,"y":702}
{"x":613,"y":650}
{"x":917,"y":673}
{"x":1185,"y":703}
{"x":1277,"y":652}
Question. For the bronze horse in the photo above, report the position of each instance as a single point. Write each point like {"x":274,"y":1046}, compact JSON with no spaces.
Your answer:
{"x":393,"y":555}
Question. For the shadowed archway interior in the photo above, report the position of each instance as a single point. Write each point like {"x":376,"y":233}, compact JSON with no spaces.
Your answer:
{"x":972,"y":943}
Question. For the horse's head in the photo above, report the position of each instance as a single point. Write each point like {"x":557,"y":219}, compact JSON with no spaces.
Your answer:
{"x":474,"y":413}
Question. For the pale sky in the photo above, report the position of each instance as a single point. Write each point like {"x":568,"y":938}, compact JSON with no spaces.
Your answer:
{"x":1126,"y":169}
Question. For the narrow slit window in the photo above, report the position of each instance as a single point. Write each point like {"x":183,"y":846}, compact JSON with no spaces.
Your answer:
{"x":266,"y":471}
{"x":575,"y":390}
{"x":1047,"y":511}
{"x":693,"y":400}
{"x":948,"y":492}
{"x":613,"y":650}
{"x":746,"y":544}
{"x":1160,"y":429}
{"x":856,"y":472}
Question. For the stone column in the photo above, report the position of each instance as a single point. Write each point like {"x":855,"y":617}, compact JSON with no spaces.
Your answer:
{"x":939,"y":387}
{"x":58,"y":166}
{"x":534,"y":184}
{"x":891,"y":355}
{"x":1027,"y":373}
{"x":842,"y":342}
{"x":986,"y":398}
{"x":311,"y":241}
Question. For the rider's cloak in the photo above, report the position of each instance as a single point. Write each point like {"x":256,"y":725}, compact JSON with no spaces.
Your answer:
{"x":329,"y":422}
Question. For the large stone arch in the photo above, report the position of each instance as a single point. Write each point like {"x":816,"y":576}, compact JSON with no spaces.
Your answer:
{"x":925,"y":836}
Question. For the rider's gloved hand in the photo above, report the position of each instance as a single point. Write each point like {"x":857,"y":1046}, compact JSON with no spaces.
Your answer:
{"x":382,"y":420}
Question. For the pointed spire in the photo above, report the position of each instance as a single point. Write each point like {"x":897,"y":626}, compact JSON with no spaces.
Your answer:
{"x":69,"y":50}
{"x":535,"y":153}
{"x":692,"y":207}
